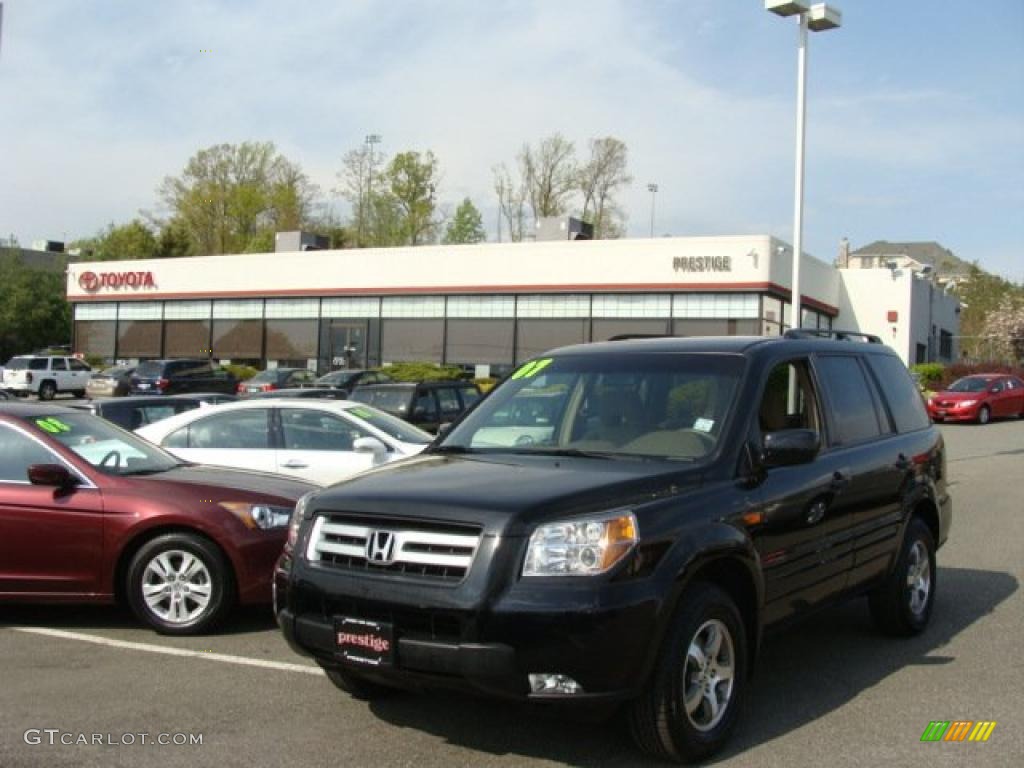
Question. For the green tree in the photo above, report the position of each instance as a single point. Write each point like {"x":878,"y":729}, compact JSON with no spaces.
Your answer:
{"x":33,"y":310}
{"x":133,"y":240}
{"x":412,"y":179}
{"x":466,"y":226}
{"x":230,"y":196}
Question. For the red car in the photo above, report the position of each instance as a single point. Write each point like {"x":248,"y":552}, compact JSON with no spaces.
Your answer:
{"x":979,"y":398}
{"x":91,"y":513}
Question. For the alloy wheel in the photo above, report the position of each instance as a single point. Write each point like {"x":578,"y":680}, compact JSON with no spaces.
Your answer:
{"x":177,"y":586}
{"x":708,"y":675}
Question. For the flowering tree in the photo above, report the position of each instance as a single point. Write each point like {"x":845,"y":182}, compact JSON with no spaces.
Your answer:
{"x":1005,"y":326}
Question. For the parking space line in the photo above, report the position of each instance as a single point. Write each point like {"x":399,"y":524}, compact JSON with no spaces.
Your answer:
{"x":168,"y":651}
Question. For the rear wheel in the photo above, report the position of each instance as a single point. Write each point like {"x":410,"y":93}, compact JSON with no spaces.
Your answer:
{"x":984,"y":414}
{"x":903,"y":604}
{"x":47,"y":390}
{"x":693,"y":699}
{"x":355,"y":686}
{"x":79,"y":393}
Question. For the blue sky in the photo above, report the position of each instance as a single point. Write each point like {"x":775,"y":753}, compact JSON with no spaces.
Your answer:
{"x":915,"y":108}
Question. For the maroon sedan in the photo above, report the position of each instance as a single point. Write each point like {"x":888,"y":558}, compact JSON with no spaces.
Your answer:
{"x":91,"y":513}
{"x":979,"y":398}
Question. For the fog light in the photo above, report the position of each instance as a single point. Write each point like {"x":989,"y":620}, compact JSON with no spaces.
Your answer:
{"x":549,"y":683}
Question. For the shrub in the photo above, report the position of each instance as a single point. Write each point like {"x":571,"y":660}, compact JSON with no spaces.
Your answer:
{"x":241,"y":372}
{"x":421,"y":371}
{"x":929,"y":373}
{"x":96,"y":362}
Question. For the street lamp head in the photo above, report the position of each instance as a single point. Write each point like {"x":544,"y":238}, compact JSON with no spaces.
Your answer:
{"x":373,"y":138}
{"x":786,"y":7}
{"x":823,"y":16}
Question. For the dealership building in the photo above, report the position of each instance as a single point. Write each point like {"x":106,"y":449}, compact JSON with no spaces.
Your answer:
{"x":486,"y":307}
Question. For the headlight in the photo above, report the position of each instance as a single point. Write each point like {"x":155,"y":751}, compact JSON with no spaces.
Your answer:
{"x":295,"y":523}
{"x":966,"y":403}
{"x":582,"y":547}
{"x":262,"y":516}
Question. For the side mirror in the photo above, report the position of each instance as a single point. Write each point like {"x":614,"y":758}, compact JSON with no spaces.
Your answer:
{"x":53,"y":475}
{"x":790,"y":446}
{"x":369,"y":445}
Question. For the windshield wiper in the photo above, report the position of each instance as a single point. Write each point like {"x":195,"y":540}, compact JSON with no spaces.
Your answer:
{"x":572,"y":452}
{"x":452,"y":449}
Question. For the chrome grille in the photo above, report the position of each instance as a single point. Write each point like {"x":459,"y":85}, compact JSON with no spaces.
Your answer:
{"x":420,"y":549}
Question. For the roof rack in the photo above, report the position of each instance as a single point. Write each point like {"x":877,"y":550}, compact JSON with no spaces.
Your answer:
{"x":824,"y":333}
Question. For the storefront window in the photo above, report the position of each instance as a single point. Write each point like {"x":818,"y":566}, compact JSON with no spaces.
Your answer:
{"x":138,"y":338}
{"x":606,"y":329}
{"x":237,"y":339}
{"x":187,"y":338}
{"x":95,"y":337}
{"x":716,"y":327}
{"x":291,"y":339}
{"x":474,"y":342}
{"x":404,"y":341}
{"x":534,"y":337}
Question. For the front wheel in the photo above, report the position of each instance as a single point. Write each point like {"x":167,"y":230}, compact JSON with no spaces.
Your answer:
{"x":984,"y":414}
{"x":47,"y":390}
{"x":903,"y":604}
{"x":180,"y":584}
{"x":693,"y":699}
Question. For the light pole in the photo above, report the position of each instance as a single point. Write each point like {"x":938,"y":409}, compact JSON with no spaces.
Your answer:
{"x":817,"y":18}
{"x":371,"y":139}
{"x":653,"y":189}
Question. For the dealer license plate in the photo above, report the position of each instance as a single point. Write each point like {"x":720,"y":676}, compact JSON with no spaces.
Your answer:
{"x":365,"y":642}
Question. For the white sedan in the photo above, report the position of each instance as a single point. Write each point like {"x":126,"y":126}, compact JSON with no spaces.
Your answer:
{"x":319,"y":441}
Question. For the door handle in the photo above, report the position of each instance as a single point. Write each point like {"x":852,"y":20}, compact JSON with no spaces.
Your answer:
{"x":295,"y":464}
{"x":840,"y":480}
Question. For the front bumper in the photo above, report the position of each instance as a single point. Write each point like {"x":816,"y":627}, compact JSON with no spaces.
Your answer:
{"x":953,"y":414}
{"x":602,"y":636}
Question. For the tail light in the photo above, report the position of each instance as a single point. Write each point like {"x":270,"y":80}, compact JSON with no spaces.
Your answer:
{"x":28,"y":377}
{"x":268,"y":387}
{"x":162,"y":384}
{"x":240,"y":387}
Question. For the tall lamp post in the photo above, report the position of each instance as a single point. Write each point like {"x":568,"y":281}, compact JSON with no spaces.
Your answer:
{"x":371,"y":139}
{"x":817,"y":18}
{"x":653,"y":189}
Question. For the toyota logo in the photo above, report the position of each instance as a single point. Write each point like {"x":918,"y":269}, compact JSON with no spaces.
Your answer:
{"x":380,"y":547}
{"x":89,"y":281}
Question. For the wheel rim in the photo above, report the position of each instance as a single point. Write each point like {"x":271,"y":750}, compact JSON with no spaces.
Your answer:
{"x":177,"y":586}
{"x":708,"y":675}
{"x":919,"y":577}
{"x":983,"y":415}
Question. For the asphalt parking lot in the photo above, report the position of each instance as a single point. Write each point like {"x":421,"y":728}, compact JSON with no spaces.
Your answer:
{"x":829,"y":691}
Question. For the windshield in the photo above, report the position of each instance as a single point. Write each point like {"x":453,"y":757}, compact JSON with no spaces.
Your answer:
{"x":969,"y":384}
{"x":661,"y":406}
{"x":151,"y":368}
{"x":115,"y":372}
{"x":266,"y":376}
{"x":390,"y":400}
{"x":336,"y":379}
{"x":107,"y":447}
{"x":390,"y":425}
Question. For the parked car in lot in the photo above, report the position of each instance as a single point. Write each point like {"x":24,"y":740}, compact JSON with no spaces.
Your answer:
{"x":169,"y":377}
{"x":319,"y":393}
{"x":350,"y":378}
{"x":276,"y":378}
{"x":115,"y":381}
{"x":686,"y":495}
{"x":137,"y":411}
{"x":92,"y":513}
{"x":979,"y":398}
{"x":427,"y":404}
{"x":319,"y":441}
{"x":46,"y":375}
{"x":4,"y":395}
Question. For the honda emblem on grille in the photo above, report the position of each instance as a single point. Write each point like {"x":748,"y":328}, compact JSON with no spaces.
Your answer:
{"x":380,"y":547}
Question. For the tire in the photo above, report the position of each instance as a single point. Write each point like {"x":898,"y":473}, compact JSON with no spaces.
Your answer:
{"x":79,"y":393}
{"x":662,"y":723}
{"x":47,"y":390}
{"x":188,"y":567}
{"x":903,"y":605}
{"x":357,"y":687}
{"x":984,"y":414}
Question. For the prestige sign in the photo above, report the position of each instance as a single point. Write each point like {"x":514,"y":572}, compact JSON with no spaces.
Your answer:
{"x":702,"y":263}
{"x":93,"y":281}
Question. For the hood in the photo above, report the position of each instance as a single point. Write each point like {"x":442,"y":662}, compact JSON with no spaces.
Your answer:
{"x":956,"y":397}
{"x":507,"y":493}
{"x":219,"y":479}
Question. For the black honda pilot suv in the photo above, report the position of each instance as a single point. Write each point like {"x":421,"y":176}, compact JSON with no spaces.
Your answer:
{"x":618,"y":523}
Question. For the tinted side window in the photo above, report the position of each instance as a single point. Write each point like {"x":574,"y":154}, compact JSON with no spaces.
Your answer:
{"x":854,"y":415}
{"x":37,"y":364}
{"x":18,"y":453}
{"x":449,"y":401}
{"x":900,"y":391}
{"x":236,"y":429}
{"x":78,"y":365}
{"x":778,"y":410}
{"x":424,"y":407}
{"x":469,"y":396}
{"x":311,"y":430}
{"x":59,"y":364}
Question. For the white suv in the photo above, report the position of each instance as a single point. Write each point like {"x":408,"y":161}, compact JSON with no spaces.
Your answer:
{"x":46,"y":376}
